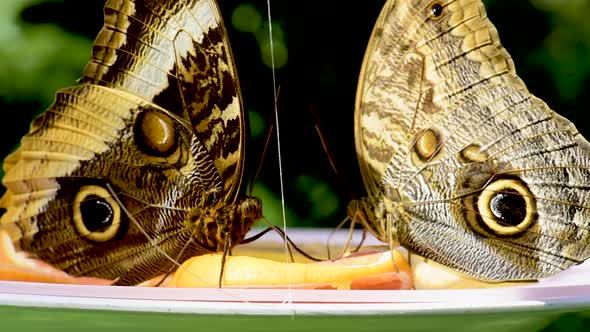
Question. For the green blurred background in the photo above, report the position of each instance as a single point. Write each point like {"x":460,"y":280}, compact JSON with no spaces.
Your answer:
{"x":319,"y":46}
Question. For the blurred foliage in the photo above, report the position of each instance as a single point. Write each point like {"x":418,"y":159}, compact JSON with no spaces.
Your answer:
{"x":318,"y":49}
{"x":36,"y":59}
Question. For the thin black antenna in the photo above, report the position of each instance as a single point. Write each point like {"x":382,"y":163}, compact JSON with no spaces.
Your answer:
{"x":340,"y":175}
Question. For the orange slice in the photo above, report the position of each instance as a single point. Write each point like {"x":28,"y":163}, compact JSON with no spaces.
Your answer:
{"x":18,"y":266}
{"x":376,"y":270}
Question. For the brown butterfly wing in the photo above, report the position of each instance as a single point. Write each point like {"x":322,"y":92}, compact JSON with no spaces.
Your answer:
{"x":416,"y":65}
{"x":462,"y":164}
{"x":176,"y":54}
{"x":121,"y":174}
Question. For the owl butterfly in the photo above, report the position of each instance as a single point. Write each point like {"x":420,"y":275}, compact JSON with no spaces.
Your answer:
{"x":143,"y":160}
{"x":462,"y":164}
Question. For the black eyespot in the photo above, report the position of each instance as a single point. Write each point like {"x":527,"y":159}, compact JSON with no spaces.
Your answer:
{"x":509,"y":207}
{"x":96,"y":215}
{"x":435,"y":10}
{"x":155,"y":133}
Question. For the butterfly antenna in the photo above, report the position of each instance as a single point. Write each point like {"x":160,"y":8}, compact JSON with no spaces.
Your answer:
{"x":283,"y":235}
{"x":256,"y":236}
{"x":266,"y":143}
{"x":272,"y":228}
{"x":264,"y":150}
{"x":339,"y":174}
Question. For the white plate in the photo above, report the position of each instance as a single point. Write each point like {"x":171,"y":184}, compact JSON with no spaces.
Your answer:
{"x":36,"y":306}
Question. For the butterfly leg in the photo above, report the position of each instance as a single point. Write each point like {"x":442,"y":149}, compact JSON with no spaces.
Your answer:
{"x":226,"y":252}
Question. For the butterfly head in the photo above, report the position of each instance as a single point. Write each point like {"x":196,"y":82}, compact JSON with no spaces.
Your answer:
{"x":220,"y":225}
{"x":375,"y":216}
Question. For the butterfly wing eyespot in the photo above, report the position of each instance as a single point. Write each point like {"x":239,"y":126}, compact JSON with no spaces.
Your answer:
{"x":428,"y":145}
{"x":96,"y":214}
{"x":435,"y":11}
{"x":506,"y":207}
{"x":155,"y":133}
{"x":472,"y":154}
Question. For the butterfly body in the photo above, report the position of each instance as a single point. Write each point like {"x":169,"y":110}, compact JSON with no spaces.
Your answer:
{"x":462,"y":164}
{"x":140,"y":166}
